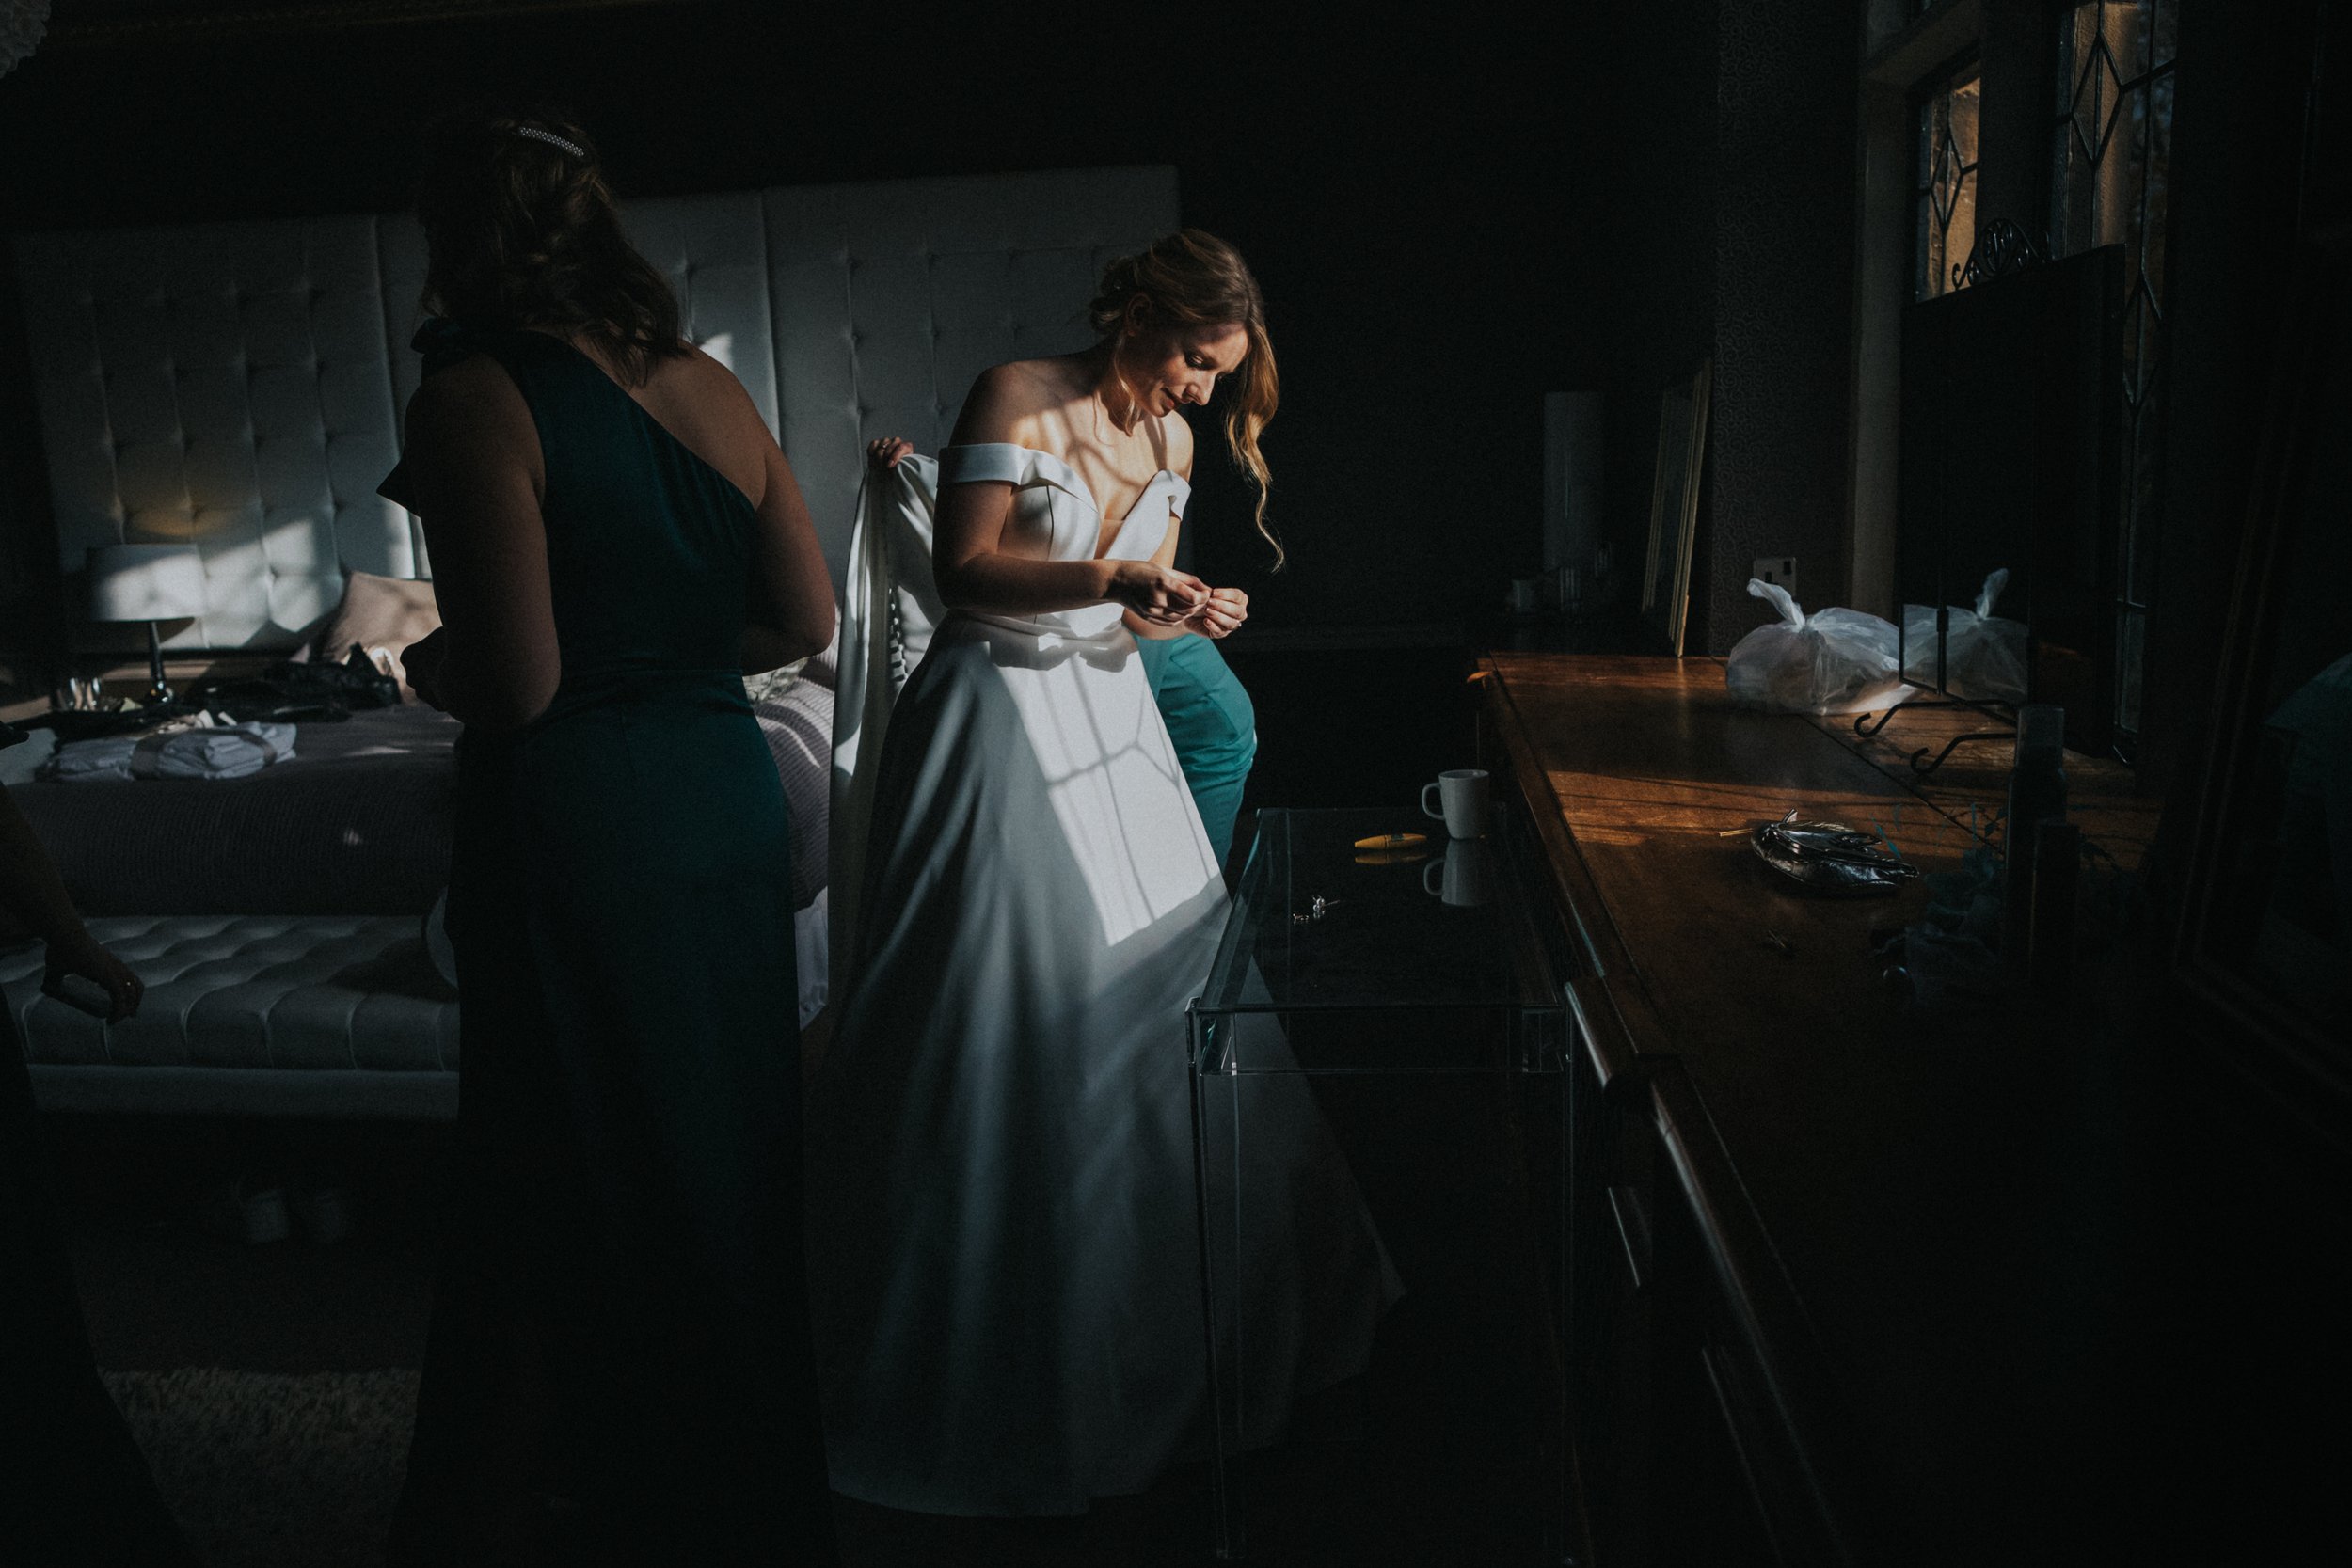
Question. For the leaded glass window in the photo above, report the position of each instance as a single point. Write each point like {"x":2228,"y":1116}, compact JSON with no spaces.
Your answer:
{"x":1944,"y":181}
{"x":2110,"y":157}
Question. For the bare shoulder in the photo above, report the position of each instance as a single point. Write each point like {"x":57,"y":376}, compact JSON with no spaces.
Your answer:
{"x":467,"y":396}
{"x":1032,"y":385}
{"x":1007,"y":402}
{"x":703,"y":372}
{"x":713,"y":385}
{"x":1177,"y":433}
{"x":468,"y":434}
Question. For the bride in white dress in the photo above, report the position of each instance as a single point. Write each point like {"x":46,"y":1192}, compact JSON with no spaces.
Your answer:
{"x":1003,"y":1253}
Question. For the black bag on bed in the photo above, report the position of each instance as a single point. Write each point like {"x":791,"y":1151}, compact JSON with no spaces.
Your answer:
{"x":311,"y":694}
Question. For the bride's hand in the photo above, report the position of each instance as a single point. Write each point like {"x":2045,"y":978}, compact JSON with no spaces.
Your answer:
{"x":1160,"y":595}
{"x":882,"y":456}
{"x":1222,"y":614}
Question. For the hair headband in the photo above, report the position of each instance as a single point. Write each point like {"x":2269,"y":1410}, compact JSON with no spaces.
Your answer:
{"x":552,"y":139}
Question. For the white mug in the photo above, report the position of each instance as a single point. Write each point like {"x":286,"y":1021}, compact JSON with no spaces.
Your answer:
{"x":1468,"y":875}
{"x":1463,"y":793}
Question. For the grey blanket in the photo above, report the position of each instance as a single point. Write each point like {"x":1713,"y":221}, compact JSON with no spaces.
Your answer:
{"x":357,"y":822}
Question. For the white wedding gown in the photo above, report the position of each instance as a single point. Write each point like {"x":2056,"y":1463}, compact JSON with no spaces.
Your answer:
{"x":1004,"y":1254}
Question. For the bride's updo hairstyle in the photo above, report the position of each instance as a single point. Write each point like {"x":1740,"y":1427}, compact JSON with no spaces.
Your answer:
{"x":523,"y":233}
{"x":1191,"y":279}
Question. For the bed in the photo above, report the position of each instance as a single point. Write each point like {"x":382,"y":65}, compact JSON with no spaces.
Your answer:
{"x":297,"y":942}
{"x":236,"y":386}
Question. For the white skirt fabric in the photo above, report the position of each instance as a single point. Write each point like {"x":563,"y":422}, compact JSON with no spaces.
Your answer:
{"x":1003,"y":1246}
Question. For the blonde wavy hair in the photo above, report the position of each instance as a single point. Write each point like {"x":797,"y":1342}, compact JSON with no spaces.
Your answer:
{"x":1191,"y":279}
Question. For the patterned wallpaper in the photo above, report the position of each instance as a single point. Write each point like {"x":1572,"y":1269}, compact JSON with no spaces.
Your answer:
{"x":1783,"y":303}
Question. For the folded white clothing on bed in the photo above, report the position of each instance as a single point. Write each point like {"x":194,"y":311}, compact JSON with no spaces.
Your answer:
{"x":233,"y":753}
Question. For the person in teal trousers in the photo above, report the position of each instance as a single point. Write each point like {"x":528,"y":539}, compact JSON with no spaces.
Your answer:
{"x":1212,"y":724}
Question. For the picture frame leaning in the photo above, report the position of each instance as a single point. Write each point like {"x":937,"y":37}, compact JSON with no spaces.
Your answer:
{"x":1674,"y":508}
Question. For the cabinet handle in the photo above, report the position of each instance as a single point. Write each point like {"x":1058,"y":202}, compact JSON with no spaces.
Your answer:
{"x":1624,"y":1203}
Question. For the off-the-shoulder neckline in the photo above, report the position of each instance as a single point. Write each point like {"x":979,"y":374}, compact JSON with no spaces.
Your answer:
{"x":1076,"y":482}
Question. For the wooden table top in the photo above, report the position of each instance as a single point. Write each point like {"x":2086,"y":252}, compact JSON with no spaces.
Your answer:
{"x":1926,"y":1181}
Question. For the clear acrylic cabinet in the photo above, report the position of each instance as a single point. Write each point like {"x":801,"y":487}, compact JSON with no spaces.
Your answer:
{"x":1399,"y":1018}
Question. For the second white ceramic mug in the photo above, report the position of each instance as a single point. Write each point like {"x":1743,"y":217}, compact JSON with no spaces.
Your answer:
{"x":1462,"y":794}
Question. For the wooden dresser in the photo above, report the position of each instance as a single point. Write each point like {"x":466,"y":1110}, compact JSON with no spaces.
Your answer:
{"x":1847,"y":1283}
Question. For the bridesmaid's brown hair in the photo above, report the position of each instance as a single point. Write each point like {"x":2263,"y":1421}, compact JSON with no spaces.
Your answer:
{"x":523,"y":232}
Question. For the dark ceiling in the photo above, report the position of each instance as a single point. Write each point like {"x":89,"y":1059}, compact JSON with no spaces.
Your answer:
{"x":82,"y":22}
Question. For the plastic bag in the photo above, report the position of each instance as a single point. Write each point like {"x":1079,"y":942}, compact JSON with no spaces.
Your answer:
{"x":1831,"y":661}
{"x":1919,"y":644}
{"x":1830,"y":856}
{"x":1984,"y":656}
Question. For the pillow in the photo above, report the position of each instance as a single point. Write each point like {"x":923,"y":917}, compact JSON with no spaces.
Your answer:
{"x":798,"y":728}
{"x":385,"y":613}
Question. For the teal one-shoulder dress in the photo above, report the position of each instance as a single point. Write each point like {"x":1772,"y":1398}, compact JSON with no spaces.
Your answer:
{"x":619,"y":1365}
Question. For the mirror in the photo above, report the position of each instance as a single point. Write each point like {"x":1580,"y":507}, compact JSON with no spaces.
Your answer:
{"x":2009,"y":450}
{"x":1673,"y":507}
{"x":2267,"y":928}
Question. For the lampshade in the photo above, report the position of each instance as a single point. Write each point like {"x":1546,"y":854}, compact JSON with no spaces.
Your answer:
{"x":145,"y":582}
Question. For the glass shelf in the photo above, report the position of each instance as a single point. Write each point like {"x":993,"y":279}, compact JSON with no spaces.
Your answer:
{"x":1434,"y":960}
{"x":1392,"y":1021}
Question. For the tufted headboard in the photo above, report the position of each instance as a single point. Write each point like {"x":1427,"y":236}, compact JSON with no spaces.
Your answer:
{"x":891,"y":298}
{"x":228,"y":385}
{"x":238,"y":385}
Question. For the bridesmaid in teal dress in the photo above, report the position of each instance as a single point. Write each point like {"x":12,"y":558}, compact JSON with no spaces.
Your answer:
{"x":618,"y":1366}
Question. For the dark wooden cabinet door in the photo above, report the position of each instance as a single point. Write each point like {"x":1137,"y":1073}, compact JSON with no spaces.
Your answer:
{"x":1612,"y":1278}
{"x":1683,"y":1456}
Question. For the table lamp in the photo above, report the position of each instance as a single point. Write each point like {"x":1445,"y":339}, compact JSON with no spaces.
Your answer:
{"x":149,"y":583}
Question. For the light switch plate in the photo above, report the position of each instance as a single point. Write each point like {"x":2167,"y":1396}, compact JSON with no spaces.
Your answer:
{"x":1778,"y":570}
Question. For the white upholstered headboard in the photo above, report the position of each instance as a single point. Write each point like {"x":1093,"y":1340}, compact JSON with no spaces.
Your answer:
{"x":891,"y":298}
{"x":229,"y":384}
{"x":237,"y":385}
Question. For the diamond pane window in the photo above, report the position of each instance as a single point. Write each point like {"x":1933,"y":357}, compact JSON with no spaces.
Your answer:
{"x":2111,"y":160}
{"x":1944,"y":181}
